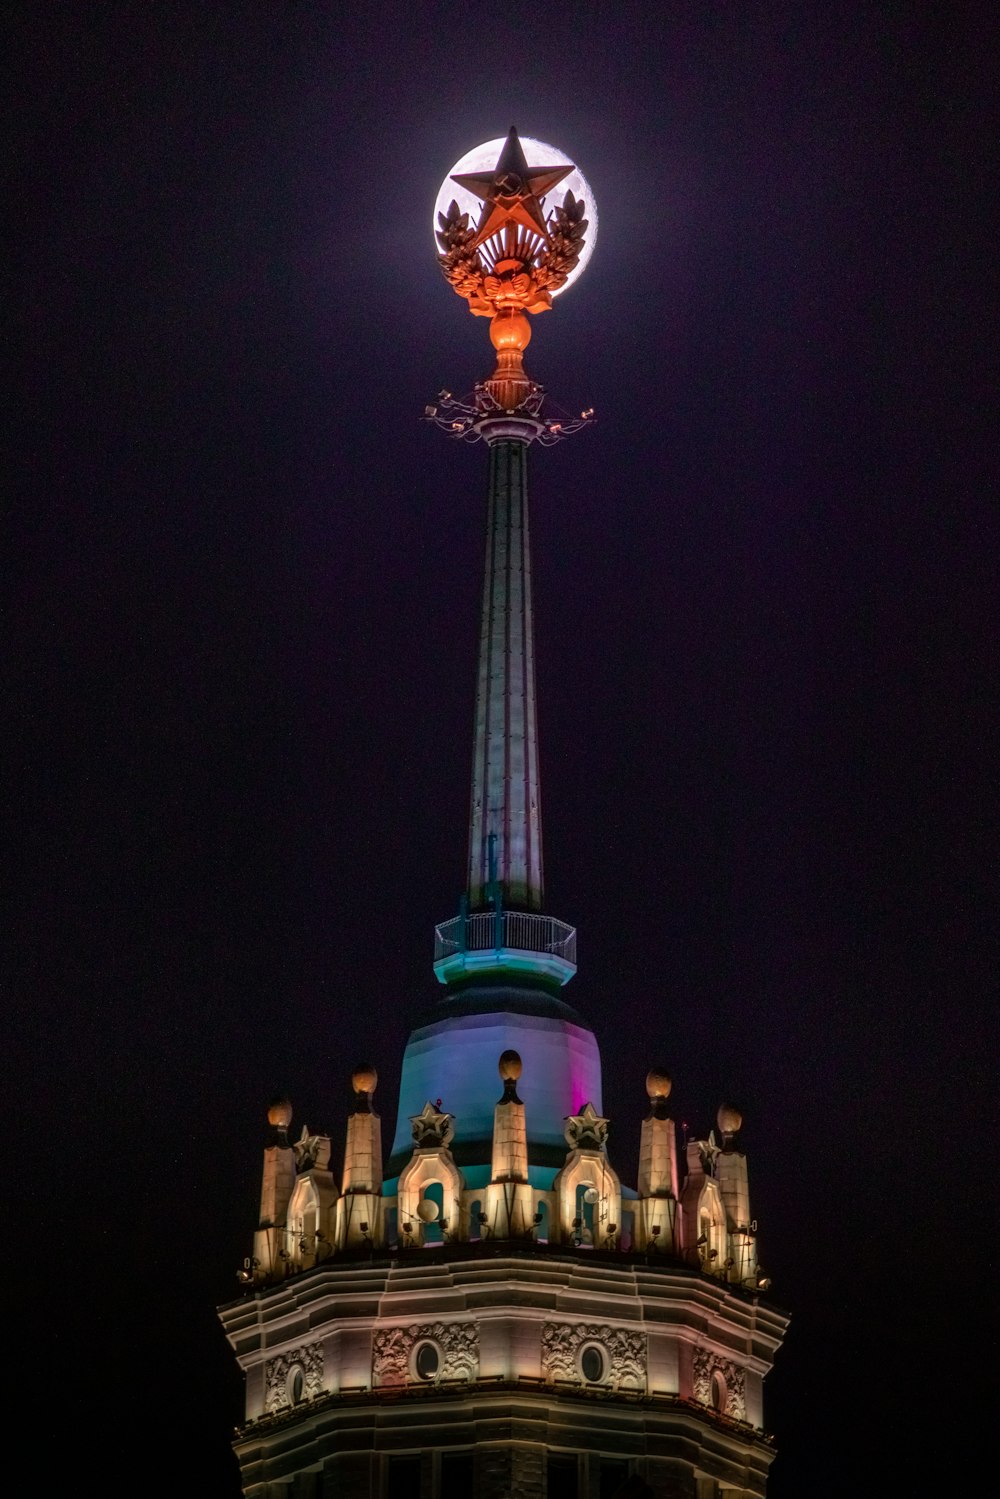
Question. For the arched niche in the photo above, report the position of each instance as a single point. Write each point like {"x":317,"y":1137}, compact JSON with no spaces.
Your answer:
{"x":309,"y":1225}
{"x":712,"y":1238}
{"x":587,"y":1173}
{"x":427,"y":1170}
{"x":474,"y":1225}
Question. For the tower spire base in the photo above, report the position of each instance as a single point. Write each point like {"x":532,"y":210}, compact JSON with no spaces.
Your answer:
{"x":480,"y":417}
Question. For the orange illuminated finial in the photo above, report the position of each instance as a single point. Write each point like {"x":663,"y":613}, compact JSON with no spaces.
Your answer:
{"x":512,"y":260}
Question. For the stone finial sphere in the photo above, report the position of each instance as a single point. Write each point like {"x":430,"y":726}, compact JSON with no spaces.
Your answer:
{"x":279,"y":1114}
{"x":511,"y":331}
{"x":728,"y":1119}
{"x":658,"y":1084}
{"x":510,"y":1066}
{"x":427,"y":1210}
{"x":364,"y":1079}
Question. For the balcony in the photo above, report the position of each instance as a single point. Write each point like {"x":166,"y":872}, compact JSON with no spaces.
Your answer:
{"x":514,"y":941}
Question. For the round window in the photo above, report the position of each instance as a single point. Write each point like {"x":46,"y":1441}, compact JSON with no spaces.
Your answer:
{"x":592,"y":1364}
{"x":295,"y":1384}
{"x":427,"y":1361}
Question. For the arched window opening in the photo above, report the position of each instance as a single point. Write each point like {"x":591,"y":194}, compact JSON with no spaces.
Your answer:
{"x":587,"y":1198}
{"x":431,"y":1212}
{"x":628,"y":1230}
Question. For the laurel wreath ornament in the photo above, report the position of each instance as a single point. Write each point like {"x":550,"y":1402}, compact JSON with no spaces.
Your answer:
{"x":523,"y":282}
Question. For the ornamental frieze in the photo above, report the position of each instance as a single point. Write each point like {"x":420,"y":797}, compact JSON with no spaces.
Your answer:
{"x":293,"y":1377}
{"x":624,"y":1352}
{"x":733,"y":1383}
{"x":456,"y":1345}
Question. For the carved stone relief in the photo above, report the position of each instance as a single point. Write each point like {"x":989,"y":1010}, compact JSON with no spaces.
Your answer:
{"x":278,"y":1392}
{"x":733,"y":1377}
{"x":458,"y":1343}
{"x":625,"y":1352}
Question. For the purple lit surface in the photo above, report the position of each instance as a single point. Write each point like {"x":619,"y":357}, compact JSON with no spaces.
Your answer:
{"x":456,"y":1061}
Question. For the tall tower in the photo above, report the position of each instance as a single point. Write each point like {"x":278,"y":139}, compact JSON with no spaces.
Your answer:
{"x":492,"y":1311}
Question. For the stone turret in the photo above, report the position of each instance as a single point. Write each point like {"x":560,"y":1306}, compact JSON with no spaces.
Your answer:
{"x":311,"y":1231}
{"x":731,"y":1172}
{"x":277,"y":1182}
{"x":509,"y":1209}
{"x":657,"y":1182}
{"x":360,"y":1218}
{"x":716,"y":1231}
{"x":430,"y":1184}
{"x":587,"y":1189}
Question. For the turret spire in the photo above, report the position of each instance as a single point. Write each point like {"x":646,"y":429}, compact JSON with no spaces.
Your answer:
{"x":505,"y":825}
{"x":524,"y":249}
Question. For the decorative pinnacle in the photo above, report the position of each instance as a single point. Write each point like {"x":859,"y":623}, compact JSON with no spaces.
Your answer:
{"x":509,"y":1067}
{"x":279,"y":1114}
{"x":658,"y":1084}
{"x":364,"y":1081}
{"x":514,"y":258}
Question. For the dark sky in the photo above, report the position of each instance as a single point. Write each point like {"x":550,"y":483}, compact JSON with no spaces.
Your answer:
{"x":244,"y":584}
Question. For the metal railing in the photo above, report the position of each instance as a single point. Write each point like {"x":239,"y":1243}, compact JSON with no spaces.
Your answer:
{"x":521,"y":931}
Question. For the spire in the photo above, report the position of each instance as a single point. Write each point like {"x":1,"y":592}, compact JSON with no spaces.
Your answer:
{"x":525,"y":249}
{"x":505,"y":826}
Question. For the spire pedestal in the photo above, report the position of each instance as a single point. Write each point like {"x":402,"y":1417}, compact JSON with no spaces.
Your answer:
{"x":502,"y":960}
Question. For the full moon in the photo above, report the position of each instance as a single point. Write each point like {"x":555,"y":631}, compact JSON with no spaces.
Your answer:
{"x":484,"y":158}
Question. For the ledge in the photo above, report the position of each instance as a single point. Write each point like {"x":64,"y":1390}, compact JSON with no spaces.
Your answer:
{"x":514,"y":942}
{"x":493,"y":1385}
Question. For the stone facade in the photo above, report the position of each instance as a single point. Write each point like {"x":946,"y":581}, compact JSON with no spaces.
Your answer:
{"x":510,"y":1330}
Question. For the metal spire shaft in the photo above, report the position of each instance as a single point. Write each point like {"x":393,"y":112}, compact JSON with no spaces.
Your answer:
{"x":506,"y":796}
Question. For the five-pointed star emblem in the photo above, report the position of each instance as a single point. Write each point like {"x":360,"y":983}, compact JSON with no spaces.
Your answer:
{"x":510,"y":193}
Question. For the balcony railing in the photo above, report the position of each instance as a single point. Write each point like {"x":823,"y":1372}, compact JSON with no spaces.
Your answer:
{"x":518,"y":931}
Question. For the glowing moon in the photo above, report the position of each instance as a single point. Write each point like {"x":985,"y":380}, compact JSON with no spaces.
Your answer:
{"x":484,"y":158}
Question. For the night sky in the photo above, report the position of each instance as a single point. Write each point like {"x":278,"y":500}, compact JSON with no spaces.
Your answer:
{"x":244,"y":587}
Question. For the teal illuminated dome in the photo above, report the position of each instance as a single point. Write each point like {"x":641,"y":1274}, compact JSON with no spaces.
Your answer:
{"x":453,"y":1055}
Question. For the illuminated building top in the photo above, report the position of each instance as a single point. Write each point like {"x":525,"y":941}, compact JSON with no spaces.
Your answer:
{"x":493,"y":1310}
